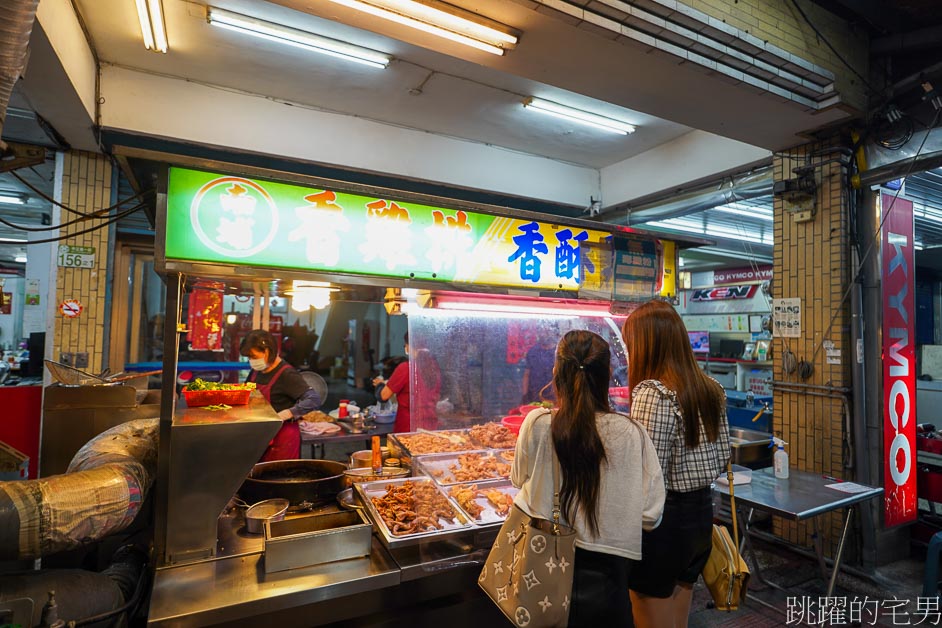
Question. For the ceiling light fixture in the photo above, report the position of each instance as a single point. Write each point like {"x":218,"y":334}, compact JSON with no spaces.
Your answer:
{"x":577,"y":115}
{"x":14,"y":240}
{"x":20,"y":259}
{"x":511,"y":306}
{"x":12,"y":198}
{"x":756,"y":212}
{"x":151,"y":15}
{"x":294,"y":37}
{"x":442,"y":20}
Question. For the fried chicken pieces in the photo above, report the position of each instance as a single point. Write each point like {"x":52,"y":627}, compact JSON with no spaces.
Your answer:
{"x":472,"y":467}
{"x":493,"y":436}
{"x":413,"y":507}
{"x":425,"y":443}
{"x":467,"y":494}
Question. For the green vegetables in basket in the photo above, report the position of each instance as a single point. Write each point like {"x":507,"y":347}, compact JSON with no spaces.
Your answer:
{"x":199,"y":384}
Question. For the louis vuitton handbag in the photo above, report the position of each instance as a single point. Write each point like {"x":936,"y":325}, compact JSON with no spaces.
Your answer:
{"x":528,"y":572}
{"x":726,"y":574}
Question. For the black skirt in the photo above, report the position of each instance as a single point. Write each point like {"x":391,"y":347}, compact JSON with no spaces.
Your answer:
{"x":676,"y":551}
{"x":600,"y":590}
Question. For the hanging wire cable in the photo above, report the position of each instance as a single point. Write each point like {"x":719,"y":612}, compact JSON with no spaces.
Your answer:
{"x":833,"y":49}
{"x":94,"y":214}
{"x":101,"y":225}
{"x":874,"y":239}
{"x":30,"y":229}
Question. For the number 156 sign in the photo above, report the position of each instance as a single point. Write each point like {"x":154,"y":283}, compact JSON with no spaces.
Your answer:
{"x":75,"y":256}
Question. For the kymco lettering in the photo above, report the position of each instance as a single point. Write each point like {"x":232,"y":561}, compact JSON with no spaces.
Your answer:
{"x":897,"y":300}
{"x":901,"y":366}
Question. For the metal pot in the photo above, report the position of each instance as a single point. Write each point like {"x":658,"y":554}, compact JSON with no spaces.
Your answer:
{"x":298,"y":481}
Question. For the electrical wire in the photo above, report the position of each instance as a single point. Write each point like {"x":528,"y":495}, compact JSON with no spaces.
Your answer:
{"x":94,"y":214}
{"x":833,"y":49}
{"x":18,"y":227}
{"x":874,"y":239}
{"x":102,"y":225}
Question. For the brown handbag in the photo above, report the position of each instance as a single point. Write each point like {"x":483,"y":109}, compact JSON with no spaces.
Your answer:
{"x":726,"y":574}
{"x":528,"y":572}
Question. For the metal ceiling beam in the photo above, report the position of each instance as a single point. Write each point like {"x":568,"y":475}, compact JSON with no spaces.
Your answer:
{"x":920,"y":39}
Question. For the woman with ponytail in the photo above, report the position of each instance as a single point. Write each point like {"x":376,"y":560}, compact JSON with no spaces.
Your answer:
{"x":611,"y":487}
{"x":684,"y":412}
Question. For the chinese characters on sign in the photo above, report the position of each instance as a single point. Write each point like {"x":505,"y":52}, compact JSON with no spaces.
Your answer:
{"x":786,"y":318}
{"x":69,"y":256}
{"x":234,"y":220}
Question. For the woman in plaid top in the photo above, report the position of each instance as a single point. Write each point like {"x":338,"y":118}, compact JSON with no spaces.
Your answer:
{"x":684,"y":412}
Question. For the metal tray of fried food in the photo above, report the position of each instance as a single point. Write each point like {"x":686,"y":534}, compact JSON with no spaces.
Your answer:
{"x":457,"y":525}
{"x":407,"y":445}
{"x":484,"y":503}
{"x":448,"y":469}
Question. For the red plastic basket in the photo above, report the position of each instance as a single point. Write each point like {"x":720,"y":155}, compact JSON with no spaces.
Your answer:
{"x":197,"y":398}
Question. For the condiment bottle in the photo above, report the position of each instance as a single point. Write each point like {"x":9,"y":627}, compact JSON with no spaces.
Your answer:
{"x":377,"y":457}
{"x":342,"y":409}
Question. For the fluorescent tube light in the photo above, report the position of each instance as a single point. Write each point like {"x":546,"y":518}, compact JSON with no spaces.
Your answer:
{"x":577,"y":115}
{"x":11,"y":199}
{"x":438,"y":19}
{"x":294,"y":37}
{"x":157,"y":23}
{"x":757,"y":213}
{"x":154,"y":30}
{"x":20,"y":259}
{"x":145,"y":24}
{"x":14,"y":240}
{"x":513,"y":305}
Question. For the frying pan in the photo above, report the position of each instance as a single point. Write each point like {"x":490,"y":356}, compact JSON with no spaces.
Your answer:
{"x":298,"y":481}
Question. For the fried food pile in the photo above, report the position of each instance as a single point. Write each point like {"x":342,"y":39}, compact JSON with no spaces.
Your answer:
{"x":473,"y":467}
{"x":413,"y":507}
{"x":425,"y":443}
{"x":467,"y":494}
{"x":501,"y":501}
{"x":316,"y":416}
{"x":493,"y":436}
{"x":508,"y":455}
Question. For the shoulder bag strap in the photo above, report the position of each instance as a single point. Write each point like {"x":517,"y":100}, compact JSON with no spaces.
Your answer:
{"x":735,"y":516}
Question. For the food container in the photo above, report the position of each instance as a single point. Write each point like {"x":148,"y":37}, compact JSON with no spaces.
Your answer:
{"x":401,"y":445}
{"x":384,"y":418}
{"x":198,"y":398}
{"x":492,"y":435}
{"x":354,"y":476}
{"x":364,"y":458}
{"x":457,"y":526}
{"x":438,"y":467}
{"x":316,"y":539}
{"x":489,"y":514}
{"x":268,"y":510}
{"x":347,"y":500}
{"x":513,"y":423}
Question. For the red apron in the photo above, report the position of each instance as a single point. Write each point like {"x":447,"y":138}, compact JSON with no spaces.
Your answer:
{"x":286,"y":445}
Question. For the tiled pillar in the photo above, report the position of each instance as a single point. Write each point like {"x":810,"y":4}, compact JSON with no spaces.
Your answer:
{"x":811,"y":262}
{"x":83,"y":183}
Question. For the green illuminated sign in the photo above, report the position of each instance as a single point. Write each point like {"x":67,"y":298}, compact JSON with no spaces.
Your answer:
{"x":235,"y":220}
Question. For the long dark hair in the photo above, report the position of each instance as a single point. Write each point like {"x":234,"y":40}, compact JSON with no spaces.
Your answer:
{"x":659,"y":348}
{"x":581,"y":376}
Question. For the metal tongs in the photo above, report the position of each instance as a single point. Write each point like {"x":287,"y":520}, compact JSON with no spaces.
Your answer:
{"x":457,"y":440}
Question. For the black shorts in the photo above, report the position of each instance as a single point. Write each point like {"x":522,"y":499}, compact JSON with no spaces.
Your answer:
{"x":676,"y":551}
{"x":600,"y":590}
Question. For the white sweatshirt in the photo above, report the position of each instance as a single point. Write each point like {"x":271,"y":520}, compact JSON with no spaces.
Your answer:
{"x":631,"y":495}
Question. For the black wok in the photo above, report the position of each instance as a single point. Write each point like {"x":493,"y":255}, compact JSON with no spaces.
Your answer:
{"x":297,"y":481}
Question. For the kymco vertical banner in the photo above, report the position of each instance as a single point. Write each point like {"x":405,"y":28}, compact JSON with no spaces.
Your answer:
{"x":899,"y":360}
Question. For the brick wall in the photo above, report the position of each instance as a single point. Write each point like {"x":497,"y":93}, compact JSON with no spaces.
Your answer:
{"x":777,"y":22}
{"x":811,"y":262}
{"x":85,"y":187}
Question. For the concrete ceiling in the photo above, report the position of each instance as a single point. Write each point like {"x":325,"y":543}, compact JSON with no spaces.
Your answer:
{"x":422,"y":89}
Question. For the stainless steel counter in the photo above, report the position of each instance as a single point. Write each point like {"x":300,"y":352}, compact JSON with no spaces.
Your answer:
{"x":801,"y":496}
{"x":232,"y":588}
{"x":234,"y":585}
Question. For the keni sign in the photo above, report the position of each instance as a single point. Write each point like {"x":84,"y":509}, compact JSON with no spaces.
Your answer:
{"x":899,"y":360}
{"x":722,"y":293}
{"x":235,"y":220}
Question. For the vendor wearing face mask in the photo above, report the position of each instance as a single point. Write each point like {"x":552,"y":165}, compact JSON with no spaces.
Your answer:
{"x":284,"y":388}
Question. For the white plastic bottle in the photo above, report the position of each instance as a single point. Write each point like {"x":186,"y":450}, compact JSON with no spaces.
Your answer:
{"x":780,"y":459}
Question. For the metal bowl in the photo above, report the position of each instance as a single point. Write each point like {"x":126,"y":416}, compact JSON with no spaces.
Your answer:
{"x":257,"y":514}
{"x":348,"y":500}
